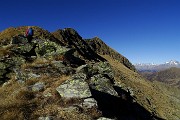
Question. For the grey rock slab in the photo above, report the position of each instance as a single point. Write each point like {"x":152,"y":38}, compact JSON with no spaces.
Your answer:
{"x":74,"y":88}
{"x":89,"y":103}
{"x":102,"y":84}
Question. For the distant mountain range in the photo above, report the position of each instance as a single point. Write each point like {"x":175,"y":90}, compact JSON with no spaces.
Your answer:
{"x":156,"y":67}
{"x":168,"y":73}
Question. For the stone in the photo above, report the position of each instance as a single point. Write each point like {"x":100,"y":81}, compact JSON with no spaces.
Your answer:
{"x":39,"y":86}
{"x":74,"y":88}
{"x":32,"y":75}
{"x":104,"y":68}
{"x":20,"y":76}
{"x":103,"y":118}
{"x":62,"y":68}
{"x":82,"y":69}
{"x":49,"y":48}
{"x":47,"y":93}
{"x":45,"y":118}
{"x":20,"y":39}
{"x":102,"y":84}
{"x":89,"y":103}
{"x":79,"y":76}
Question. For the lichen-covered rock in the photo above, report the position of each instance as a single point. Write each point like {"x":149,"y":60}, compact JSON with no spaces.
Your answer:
{"x":102,"y":84}
{"x":47,"y":93}
{"x":20,"y":39}
{"x":61,"y":68}
{"x":82,"y":69}
{"x":50,"y":49}
{"x":89,"y":103}
{"x":81,"y":76}
{"x":74,"y":88}
{"x":37,"y":87}
{"x":46,"y":118}
{"x":32,"y":75}
{"x":104,"y":68}
{"x":24,"y":49}
{"x":20,"y":76}
{"x":7,"y":65}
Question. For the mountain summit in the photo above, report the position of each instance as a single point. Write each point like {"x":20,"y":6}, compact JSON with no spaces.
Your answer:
{"x":173,"y":62}
{"x":61,"y":76}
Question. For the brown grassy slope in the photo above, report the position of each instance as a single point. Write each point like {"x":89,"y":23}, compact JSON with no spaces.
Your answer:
{"x":101,"y":48}
{"x":6,"y":35}
{"x":17,"y":102}
{"x":170,"y":76}
{"x":146,"y":93}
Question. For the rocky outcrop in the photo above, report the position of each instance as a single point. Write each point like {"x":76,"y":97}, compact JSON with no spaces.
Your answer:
{"x":53,"y":59}
{"x":98,"y":89}
{"x":90,"y":92}
{"x":75,"y":88}
{"x":11,"y":33}
{"x":101,"y":48}
{"x":69,"y":37}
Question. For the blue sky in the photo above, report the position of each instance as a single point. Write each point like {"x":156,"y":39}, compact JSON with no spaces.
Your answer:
{"x":144,"y":31}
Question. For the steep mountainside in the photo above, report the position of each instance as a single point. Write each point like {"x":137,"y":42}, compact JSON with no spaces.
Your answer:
{"x":70,"y":38}
{"x":60,"y":76}
{"x":101,"y":48}
{"x":165,"y":99}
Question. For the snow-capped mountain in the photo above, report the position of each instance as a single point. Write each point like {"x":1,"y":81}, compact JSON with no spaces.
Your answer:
{"x":172,"y":62}
{"x":157,"y":67}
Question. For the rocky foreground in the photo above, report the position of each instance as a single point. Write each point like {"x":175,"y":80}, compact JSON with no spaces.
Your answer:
{"x":60,"y":76}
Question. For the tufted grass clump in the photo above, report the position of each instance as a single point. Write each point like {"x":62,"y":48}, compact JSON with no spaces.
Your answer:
{"x":19,"y":102}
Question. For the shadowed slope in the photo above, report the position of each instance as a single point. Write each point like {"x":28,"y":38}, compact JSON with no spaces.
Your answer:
{"x":69,"y":37}
{"x":147,"y":94}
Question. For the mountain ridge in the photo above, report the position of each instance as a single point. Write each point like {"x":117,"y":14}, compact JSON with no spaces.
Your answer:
{"x":101,"y":48}
{"x":157,"y":67}
{"x":61,"y":76}
{"x":170,"y":76}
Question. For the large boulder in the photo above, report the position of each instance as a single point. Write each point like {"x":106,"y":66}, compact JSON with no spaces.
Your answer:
{"x":7,"y":65}
{"x":20,"y":39}
{"x":61,"y":68}
{"x":75,"y":88}
{"x":104,"y":68}
{"x":48,"y":48}
{"x":102,"y":84}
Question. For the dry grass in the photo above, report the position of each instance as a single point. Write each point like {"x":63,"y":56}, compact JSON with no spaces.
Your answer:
{"x":59,"y":58}
{"x":16,"y":101}
{"x":4,"y":51}
{"x":41,"y":61}
{"x":38,"y":61}
{"x":143,"y":89}
{"x":13,"y":101}
{"x":6,"y":35}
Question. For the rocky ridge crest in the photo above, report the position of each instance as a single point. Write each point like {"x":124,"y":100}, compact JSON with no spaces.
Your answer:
{"x":63,"y":77}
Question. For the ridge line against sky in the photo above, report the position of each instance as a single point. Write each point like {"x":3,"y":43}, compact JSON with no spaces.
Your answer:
{"x":144,"y":31}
